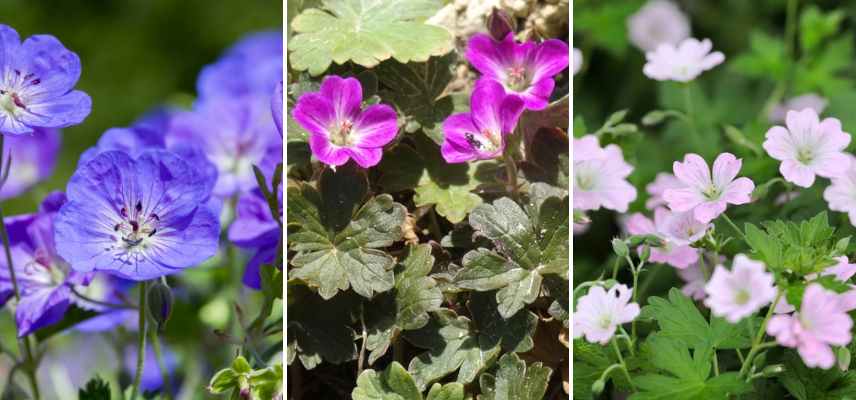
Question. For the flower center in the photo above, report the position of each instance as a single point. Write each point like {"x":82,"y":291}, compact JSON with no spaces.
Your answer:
{"x":712,"y":192}
{"x":805,"y":156}
{"x":584,"y":178}
{"x":10,"y":102}
{"x":487,"y":142}
{"x":43,"y":270}
{"x":742,"y":297}
{"x":517,"y":80}
{"x":605,"y":321}
{"x":135,"y":227}
{"x":341,"y":134}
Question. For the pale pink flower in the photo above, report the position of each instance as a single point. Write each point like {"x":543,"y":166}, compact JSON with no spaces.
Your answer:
{"x":683,"y":62}
{"x":658,"y":21}
{"x":694,"y":278}
{"x":810,"y":100}
{"x":577,"y":60}
{"x":677,"y":230}
{"x":841,"y":193}
{"x":663,"y":181}
{"x":808,"y":147}
{"x":600,"y":312}
{"x":708,"y":197}
{"x":738,"y":293}
{"x":821,"y":322}
{"x":842,"y":271}
{"x":600,"y":176}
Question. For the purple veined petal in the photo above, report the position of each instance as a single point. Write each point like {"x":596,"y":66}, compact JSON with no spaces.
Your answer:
{"x":9,"y":43}
{"x":13,"y":126}
{"x":456,"y":148}
{"x":490,"y":57}
{"x":725,"y":169}
{"x":693,"y":171}
{"x":509,"y":113}
{"x":537,"y":96}
{"x":253,"y":226}
{"x":486,"y":100}
{"x":41,"y":308}
{"x":58,"y":112}
{"x":365,"y":157}
{"x":345,"y":94}
{"x":34,"y":159}
{"x":169,"y":186}
{"x":326,"y":152}
{"x":314,"y":113}
{"x":376,"y":126}
{"x":276,"y":106}
{"x":55,"y":68}
{"x":252,"y":274}
{"x":252,"y":66}
{"x":551,"y":57}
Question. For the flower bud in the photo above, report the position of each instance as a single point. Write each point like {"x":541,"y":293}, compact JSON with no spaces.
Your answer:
{"x":160,"y":301}
{"x":646,"y":253}
{"x":598,"y":386}
{"x":620,"y":248}
{"x":500,"y":24}
{"x":842,"y":358}
{"x":773,"y":370}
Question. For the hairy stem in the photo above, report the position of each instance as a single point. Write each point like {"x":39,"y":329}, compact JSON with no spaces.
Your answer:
{"x":733,"y":226}
{"x":623,"y":364}
{"x":698,"y":145}
{"x":756,"y":343}
{"x":141,"y":343}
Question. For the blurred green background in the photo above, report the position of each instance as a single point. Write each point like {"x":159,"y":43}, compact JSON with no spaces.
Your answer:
{"x":136,"y":54}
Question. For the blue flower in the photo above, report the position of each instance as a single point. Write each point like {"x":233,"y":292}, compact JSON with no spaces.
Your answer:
{"x":44,"y":279}
{"x":37,"y":79}
{"x":253,"y":66}
{"x":34,"y":160}
{"x":255,"y":229}
{"x":137,"y":218}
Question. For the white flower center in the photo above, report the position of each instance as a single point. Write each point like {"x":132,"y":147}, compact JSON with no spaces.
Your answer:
{"x":805,"y":156}
{"x":340,"y":135}
{"x":517,"y":79}
{"x":742,"y":296}
{"x":605,"y":321}
{"x":135,"y":228}
{"x":584,"y":178}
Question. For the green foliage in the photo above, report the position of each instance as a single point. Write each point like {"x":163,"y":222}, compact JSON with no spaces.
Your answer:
{"x":816,"y":384}
{"x":95,"y":389}
{"x":395,"y":383}
{"x":260,"y":384}
{"x":514,"y":380}
{"x":319,"y":330}
{"x":366,"y":33}
{"x":801,"y":248}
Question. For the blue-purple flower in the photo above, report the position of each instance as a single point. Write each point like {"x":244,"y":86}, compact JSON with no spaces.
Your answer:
{"x":34,"y":157}
{"x":276,"y":106}
{"x":339,"y":128}
{"x":480,"y":133}
{"x":253,"y":66}
{"x":152,"y":378}
{"x":256,"y":229}
{"x":137,"y":218}
{"x":37,"y":79}
{"x":234,"y":134}
{"x":44,"y":279}
{"x":523,"y":69}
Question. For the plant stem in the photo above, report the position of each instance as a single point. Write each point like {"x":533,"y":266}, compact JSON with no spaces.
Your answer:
{"x":623,"y":364}
{"x":101,"y":303}
{"x":690,"y":113}
{"x":756,"y":343}
{"x":615,"y":267}
{"x":141,"y":343}
{"x":790,"y":53}
{"x":511,"y":171}
{"x":733,"y":226}
{"x":635,"y":270}
{"x":166,"y":387}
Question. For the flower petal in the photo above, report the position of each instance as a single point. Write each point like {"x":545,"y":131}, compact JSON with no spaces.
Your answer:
{"x":345,"y":94}
{"x":376,"y":126}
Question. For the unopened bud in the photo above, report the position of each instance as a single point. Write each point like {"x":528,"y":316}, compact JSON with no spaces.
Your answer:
{"x":773,"y":370}
{"x":160,"y":301}
{"x":646,"y":253}
{"x":500,"y":24}
{"x":620,"y":248}
{"x":598,"y":386}
{"x":842,"y":358}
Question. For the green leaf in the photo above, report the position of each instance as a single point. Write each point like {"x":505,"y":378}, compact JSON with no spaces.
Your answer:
{"x":514,"y":380}
{"x":406,"y":307}
{"x":528,"y":245}
{"x":546,"y":143}
{"x":318,"y":329}
{"x":765,"y":58}
{"x":223,"y":381}
{"x":679,"y":319}
{"x":806,"y":383}
{"x":336,"y":247}
{"x":815,"y":27}
{"x":453,"y":202}
{"x":366,"y":32}
{"x":394,"y":383}
{"x":266,"y":383}
{"x":418,"y":92}
{"x":449,"y":391}
{"x":95,"y":389}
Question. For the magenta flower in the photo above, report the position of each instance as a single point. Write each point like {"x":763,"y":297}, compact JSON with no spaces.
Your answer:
{"x":681,"y":63}
{"x":808,"y":147}
{"x":841,"y":193}
{"x":600,"y":176}
{"x":708,"y":196}
{"x":738,"y":293}
{"x":821,"y":322}
{"x":600,"y":312}
{"x":523,"y":69}
{"x":339,"y":128}
{"x":662,"y":182}
{"x":480,"y":133}
{"x":658,"y":21}
{"x":677,"y":230}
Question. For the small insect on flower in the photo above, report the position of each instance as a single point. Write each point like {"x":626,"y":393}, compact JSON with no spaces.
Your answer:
{"x":600,"y":176}
{"x":523,"y":69}
{"x":677,"y":230}
{"x":480,"y":133}
{"x":657,"y":22}
{"x":708,"y":196}
{"x":600,"y":312}
{"x":738,"y":293}
{"x":138,"y":219}
{"x":681,"y":63}
{"x":34,"y":160}
{"x":821,"y":322}
{"x":340,"y":130}
{"x":808,"y":147}
{"x":37,"y":79}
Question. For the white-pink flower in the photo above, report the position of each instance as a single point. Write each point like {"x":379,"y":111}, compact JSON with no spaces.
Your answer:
{"x":694,"y":278}
{"x":821,"y":322}
{"x":808,"y":147}
{"x":658,"y":21}
{"x":738,"y":293}
{"x":677,"y":230}
{"x":662,"y":182}
{"x":708,"y":196}
{"x":809,"y":100}
{"x":600,"y":176}
{"x":841,"y":193}
{"x":683,"y":62}
{"x":600,"y":312}
{"x":577,"y":61}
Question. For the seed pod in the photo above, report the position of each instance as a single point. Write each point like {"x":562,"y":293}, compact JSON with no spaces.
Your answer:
{"x":499,"y":24}
{"x":160,"y":301}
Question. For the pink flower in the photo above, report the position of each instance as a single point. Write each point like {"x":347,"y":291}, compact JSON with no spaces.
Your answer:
{"x":677,"y":230}
{"x":821,"y":322}
{"x":600,"y":312}
{"x":810,"y":100}
{"x":708,"y":197}
{"x":577,"y":59}
{"x":682,"y":63}
{"x":600,"y":176}
{"x":808,"y":147}
{"x":841,"y":193}
{"x":663,"y":181}
{"x":658,"y":21}
{"x":842,"y":271}
{"x":694,"y":278}
{"x":740,"y":292}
